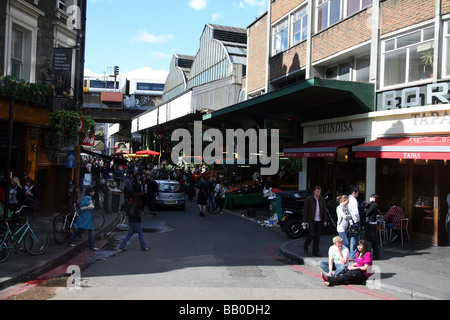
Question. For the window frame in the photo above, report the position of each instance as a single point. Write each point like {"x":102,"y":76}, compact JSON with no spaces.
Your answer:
{"x":303,"y":24}
{"x":17,"y":57}
{"x":407,"y":48}
{"x":446,"y":50}
{"x":343,"y":11}
{"x":280,"y":28}
{"x":327,"y":3}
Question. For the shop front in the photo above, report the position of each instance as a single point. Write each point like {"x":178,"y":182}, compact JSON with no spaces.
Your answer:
{"x":413,"y":171}
{"x":410,"y":143}
{"x":328,"y":158}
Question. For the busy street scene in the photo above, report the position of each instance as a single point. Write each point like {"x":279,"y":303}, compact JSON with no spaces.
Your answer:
{"x":228,"y":157}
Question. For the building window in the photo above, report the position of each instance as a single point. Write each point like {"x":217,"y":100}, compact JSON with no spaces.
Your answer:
{"x":446,"y":59}
{"x":408,"y":58}
{"x":280,"y":36}
{"x":362,"y":69}
{"x":339,"y":72}
{"x":354,"y":6}
{"x":62,"y":5}
{"x":328,"y":13}
{"x":331,"y":11}
{"x":299,"y":26}
{"x":17,"y":53}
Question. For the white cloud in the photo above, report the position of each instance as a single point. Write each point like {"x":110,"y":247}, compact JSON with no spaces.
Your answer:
{"x":144,"y":36}
{"x":146,"y":73}
{"x":215,"y":16}
{"x":198,"y":4}
{"x":250,"y":3}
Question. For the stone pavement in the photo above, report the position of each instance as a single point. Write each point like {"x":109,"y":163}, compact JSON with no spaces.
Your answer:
{"x":21,"y":266}
{"x":418,"y":270}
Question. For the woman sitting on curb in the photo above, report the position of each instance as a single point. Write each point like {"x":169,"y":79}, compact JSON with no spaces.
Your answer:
{"x":357,"y":273}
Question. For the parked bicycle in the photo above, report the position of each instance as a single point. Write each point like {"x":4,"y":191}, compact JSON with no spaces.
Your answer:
{"x":14,"y":232}
{"x":63,"y":224}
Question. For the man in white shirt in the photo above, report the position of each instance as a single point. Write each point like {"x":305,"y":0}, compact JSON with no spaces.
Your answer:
{"x":338,"y":255}
{"x":354,"y":212}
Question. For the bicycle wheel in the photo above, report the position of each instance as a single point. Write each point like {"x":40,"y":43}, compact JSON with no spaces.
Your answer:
{"x":60,"y":232}
{"x":98,"y":219}
{"x":36,"y":242}
{"x":5,"y":250}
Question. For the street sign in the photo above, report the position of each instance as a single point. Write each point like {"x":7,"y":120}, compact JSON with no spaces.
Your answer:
{"x":71,"y":161}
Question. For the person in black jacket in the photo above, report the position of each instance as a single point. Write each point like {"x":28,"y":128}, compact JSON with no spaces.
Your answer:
{"x":370,"y":212}
{"x":134,"y":222}
{"x":152,"y":194}
{"x":315,"y":215}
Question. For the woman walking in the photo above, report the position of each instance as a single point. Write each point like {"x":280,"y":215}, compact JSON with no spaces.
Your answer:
{"x":84,"y":221}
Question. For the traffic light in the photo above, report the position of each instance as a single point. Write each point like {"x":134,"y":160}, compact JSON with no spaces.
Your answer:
{"x":116,"y":71}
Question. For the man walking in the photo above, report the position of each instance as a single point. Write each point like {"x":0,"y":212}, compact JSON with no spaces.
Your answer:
{"x":315,"y":215}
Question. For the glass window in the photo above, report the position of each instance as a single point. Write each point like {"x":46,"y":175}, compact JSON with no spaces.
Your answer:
{"x":409,"y":58}
{"x":357,"y":5}
{"x":339,"y":72}
{"x":328,"y":12}
{"x":17,"y":54}
{"x":446,"y":53}
{"x":408,"y":39}
{"x":344,"y":72}
{"x":447,"y":58}
{"x":331,"y":73}
{"x":300,"y":26}
{"x":322,"y":15}
{"x":280,"y":36}
{"x":395,"y":68}
{"x":362,"y":73}
{"x":335,"y":11}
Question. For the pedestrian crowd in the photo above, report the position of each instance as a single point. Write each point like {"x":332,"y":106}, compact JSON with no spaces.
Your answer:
{"x":22,"y":193}
{"x":349,"y":258}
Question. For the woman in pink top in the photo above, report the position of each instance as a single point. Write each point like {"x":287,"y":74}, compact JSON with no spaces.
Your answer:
{"x":358,"y":272}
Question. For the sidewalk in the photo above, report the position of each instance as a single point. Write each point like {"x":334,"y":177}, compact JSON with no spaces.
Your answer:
{"x":20,"y":265}
{"x":415,"y":269}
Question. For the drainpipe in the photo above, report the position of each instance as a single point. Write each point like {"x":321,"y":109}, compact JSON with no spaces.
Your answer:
{"x":269,"y":44}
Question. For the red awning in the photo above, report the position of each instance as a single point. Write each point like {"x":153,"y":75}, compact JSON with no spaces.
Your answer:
{"x":431,"y":148}
{"x":318,"y":149}
{"x":148,"y":152}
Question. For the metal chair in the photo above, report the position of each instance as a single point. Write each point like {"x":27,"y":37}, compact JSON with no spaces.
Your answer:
{"x":404,"y":226}
{"x":382,"y":232}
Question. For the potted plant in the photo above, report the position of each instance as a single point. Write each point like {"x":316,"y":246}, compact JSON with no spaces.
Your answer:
{"x":427,"y":60}
{"x":67,"y":126}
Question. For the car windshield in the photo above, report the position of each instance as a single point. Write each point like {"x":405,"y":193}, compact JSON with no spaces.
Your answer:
{"x":169,"y":187}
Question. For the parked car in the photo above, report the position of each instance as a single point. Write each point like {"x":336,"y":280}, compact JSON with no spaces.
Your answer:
{"x":171,"y":193}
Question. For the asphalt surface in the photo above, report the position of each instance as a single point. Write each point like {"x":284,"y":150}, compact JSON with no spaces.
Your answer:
{"x":415,"y":269}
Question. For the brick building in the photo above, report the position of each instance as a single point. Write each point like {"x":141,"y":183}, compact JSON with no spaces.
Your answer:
{"x":366,"y":82}
{"x":30,"y":30}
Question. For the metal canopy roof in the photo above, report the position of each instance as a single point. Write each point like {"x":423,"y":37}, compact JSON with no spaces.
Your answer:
{"x":309,"y":100}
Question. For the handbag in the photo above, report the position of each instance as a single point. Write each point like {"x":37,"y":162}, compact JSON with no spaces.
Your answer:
{"x":89,"y":207}
{"x":353,"y":230}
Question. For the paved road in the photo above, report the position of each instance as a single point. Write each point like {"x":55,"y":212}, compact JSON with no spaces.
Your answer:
{"x":220,"y":257}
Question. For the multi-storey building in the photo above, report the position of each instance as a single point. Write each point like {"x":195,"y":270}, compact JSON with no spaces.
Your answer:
{"x":210,"y":80}
{"x":30,"y":33}
{"x":366,"y":84}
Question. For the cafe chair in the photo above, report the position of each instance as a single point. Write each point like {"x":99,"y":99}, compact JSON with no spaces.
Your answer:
{"x":404,"y":227}
{"x":382,"y":232}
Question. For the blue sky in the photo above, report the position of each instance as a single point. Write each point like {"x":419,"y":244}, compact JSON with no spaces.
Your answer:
{"x":141,"y":36}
